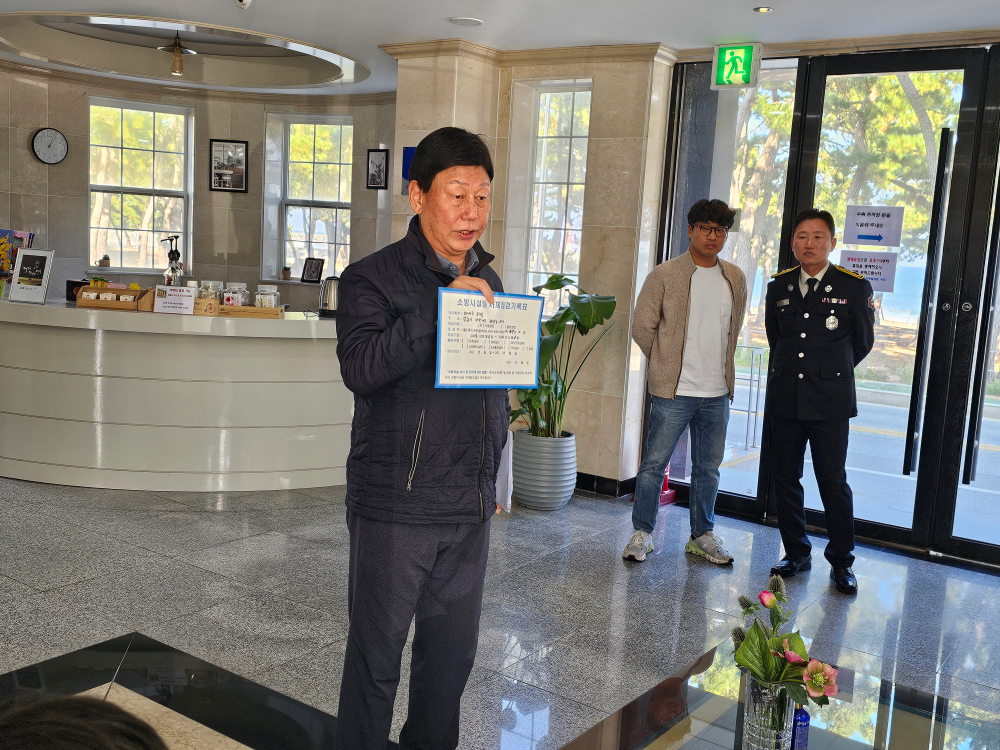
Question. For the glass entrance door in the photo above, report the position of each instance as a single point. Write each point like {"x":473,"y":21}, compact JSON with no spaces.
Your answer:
{"x":895,"y":130}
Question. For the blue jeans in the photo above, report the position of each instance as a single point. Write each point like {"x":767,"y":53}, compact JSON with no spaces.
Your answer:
{"x":709,"y":418}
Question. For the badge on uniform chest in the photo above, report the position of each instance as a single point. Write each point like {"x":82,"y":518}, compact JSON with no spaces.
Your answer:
{"x":833,"y":301}
{"x":832,"y":323}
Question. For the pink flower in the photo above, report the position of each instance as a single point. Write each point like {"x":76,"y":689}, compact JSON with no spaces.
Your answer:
{"x":820,"y":679}
{"x":791,"y":657}
{"x":767,"y":599}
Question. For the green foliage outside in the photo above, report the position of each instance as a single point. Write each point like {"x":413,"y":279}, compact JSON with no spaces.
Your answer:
{"x":881,"y":135}
{"x":135,"y":149}
{"x":319,"y":162}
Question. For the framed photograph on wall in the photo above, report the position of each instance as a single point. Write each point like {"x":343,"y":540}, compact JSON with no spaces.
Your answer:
{"x":312,"y":270}
{"x":378,"y":169}
{"x":229,"y":166}
{"x":31,"y":276}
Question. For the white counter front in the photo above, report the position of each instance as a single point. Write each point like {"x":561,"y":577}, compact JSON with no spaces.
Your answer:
{"x":128,"y":400}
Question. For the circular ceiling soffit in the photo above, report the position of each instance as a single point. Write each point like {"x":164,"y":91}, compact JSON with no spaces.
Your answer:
{"x":464,"y":21}
{"x":126,"y":47}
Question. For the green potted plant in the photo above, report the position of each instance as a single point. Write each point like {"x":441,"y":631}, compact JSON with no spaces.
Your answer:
{"x":286,"y":273}
{"x":105,"y":261}
{"x":544,"y":455}
{"x":778,"y":670}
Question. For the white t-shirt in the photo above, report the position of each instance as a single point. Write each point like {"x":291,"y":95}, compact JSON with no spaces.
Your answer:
{"x":703,"y":371}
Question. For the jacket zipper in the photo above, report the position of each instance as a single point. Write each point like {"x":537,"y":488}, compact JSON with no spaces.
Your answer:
{"x":729,"y":341}
{"x":418,"y":441}
{"x":482,"y":460}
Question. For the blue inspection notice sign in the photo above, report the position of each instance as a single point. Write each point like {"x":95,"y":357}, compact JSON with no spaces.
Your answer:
{"x":487,"y":346}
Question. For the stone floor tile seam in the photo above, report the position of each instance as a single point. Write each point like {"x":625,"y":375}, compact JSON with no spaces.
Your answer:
{"x":271,"y":667}
{"x":592,"y":707}
{"x":537,"y":651}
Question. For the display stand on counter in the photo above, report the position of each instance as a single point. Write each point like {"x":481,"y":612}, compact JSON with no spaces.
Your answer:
{"x":135,"y":300}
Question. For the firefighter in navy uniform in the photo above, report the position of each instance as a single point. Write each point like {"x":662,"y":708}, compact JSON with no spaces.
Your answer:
{"x":820,"y":321}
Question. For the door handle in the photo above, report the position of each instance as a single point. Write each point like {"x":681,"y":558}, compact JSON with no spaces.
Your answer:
{"x":935,"y":240}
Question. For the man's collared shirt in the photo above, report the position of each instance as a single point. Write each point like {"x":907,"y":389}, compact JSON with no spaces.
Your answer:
{"x":804,"y":277}
{"x":471,"y":261}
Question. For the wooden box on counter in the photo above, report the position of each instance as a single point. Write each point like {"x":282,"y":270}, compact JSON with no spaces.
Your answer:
{"x":261,"y":313}
{"x":143,"y":299}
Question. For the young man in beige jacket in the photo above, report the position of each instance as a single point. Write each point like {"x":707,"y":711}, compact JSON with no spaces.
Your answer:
{"x":687,"y":321}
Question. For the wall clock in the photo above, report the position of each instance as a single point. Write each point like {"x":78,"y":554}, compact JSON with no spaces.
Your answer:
{"x":49,"y":146}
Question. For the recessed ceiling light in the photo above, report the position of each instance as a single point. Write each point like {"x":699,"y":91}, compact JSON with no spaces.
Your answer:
{"x":762,"y":9}
{"x":461,"y":21}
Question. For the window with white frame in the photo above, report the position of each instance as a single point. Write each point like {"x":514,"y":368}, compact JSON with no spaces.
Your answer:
{"x":140,"y":178}
{"x":316,"y":210}
{"x":557,"y":185}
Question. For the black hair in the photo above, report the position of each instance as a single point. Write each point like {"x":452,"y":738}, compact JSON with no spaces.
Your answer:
{"x":75,"y":723}
{"x":814,"y":213}
{"x":446,"y":148}
{"x":712,"y":210}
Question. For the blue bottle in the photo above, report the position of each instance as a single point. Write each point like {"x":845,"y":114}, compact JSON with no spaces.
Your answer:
{"x":800,"y":729}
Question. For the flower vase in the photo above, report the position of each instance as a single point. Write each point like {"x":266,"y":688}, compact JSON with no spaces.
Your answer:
{"x":767,"y":716}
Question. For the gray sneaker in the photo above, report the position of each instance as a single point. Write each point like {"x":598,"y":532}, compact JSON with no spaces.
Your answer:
{"x":638,"y":546}
{"x":710,"y":547}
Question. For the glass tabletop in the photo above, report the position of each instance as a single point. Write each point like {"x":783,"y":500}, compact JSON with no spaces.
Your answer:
{"x":701,"y":708}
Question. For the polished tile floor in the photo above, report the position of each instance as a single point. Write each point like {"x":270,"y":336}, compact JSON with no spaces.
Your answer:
{"x":256,"y":584}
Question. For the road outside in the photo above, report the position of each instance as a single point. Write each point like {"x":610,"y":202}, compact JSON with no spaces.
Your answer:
{"x":874,"y":464}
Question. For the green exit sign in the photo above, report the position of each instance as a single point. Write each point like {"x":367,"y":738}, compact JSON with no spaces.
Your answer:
{"x":735,"y":66}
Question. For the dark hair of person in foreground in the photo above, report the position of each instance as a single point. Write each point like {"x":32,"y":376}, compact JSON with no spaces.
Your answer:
{"x":446,"y":148}
{"x":74,"y":724}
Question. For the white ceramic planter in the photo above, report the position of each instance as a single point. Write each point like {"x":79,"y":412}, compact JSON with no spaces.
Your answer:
{"x":544,"y":470}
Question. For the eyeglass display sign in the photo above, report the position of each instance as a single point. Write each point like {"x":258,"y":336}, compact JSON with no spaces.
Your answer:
{"x":736,"y":66}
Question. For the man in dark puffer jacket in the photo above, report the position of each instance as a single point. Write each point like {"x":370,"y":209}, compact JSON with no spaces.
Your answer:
{"x":421,"y":474}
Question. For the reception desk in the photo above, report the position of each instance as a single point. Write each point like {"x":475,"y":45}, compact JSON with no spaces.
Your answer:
{"x":127,"y":400}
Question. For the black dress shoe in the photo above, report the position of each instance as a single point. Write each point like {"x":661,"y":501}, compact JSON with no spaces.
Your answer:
{"x":789,"y":566}
{"x":844,"y":580}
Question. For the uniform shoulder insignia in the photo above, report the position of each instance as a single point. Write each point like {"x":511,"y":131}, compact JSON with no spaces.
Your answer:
{"x":782,"y":273}
{"x":850,"y":273}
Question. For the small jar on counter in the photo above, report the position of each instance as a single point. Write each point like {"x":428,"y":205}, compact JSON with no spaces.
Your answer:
{"x":236,"y":294}
{"x":268,"y":296}
{"x":210,"y":290}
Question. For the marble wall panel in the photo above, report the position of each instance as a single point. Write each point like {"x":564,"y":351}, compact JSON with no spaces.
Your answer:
{"x":609,"y":456}
{"x":4,"y":99}
{"x":476,"y":90}
{"x":620,"y":100}
{"x":29,"y":102}
{"x":246,"y":123}
{"x":71,"y":176}
{"x":69,"y":108}
{"x":27,"y":173}
{"x":31,"y":213}
{"x":363,"y":240}
{"x":425,"y":92}
{"x":583,"y":419}
{"x":68,"y":220}
{"x":607,"y":255}
{"x":614,"y":172}
{"x":4,"y":159}
{"x":244,"y":238}
{"x":211,"y":235}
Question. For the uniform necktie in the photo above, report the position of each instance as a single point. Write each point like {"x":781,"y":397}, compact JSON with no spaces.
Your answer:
{"x":811,"y":283}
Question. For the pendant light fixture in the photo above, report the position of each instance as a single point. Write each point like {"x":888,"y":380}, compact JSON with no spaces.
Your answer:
{"x":178,"y":50}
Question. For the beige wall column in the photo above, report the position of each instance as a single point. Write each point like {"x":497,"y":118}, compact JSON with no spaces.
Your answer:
{"x":625,"y":161}
{"x":439,"y":84}
{"x":454,"y":82}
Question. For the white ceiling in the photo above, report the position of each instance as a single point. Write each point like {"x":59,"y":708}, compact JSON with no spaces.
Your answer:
{"x":356,"y":27}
